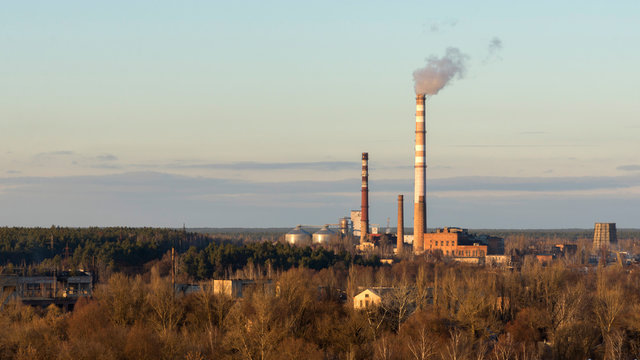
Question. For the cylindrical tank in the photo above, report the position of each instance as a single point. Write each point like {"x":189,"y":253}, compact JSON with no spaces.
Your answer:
{"x":344,"y":225}
{"x":322,"y":236}
{"x":298,"y":236}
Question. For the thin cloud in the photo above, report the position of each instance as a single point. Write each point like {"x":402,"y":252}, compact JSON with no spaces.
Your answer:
{"x":633,"y":167}
{"x":160,"y":199}
{"x":251,"y":165}
{"x":533,"y":132}
{"x":436,"y":26}
{"x":107,"y":157}
{"x":519,"y":145}
{"x":56,"y":153}
{"x":152,"y":181}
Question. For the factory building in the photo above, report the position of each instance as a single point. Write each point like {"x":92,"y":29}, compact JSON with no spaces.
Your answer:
{"x":604,"y":234}
{"x":459,"y":243}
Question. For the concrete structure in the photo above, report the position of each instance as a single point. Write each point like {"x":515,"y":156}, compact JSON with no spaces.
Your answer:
{"x":366,"y":246}
{"x":298,"y":236}
{"x":355,"y":220}
{"x":420,"y":175}
{"x":400,"y":235}
{"x":364,"y":204}
{"x":230,"y":288}
{"x":604,"y":234}
{"x":498,"y":260}
{"x":236,"y":288}
{"x":408,"y":240}
{"x":43,"y":289}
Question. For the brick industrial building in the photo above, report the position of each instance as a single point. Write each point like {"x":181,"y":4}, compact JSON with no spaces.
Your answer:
{"x":457,"y":242}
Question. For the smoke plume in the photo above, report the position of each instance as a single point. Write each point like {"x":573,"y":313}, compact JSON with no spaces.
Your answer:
{"x":493,"y":52}
{"x":440,"y":71}
{"x":495,"y":45}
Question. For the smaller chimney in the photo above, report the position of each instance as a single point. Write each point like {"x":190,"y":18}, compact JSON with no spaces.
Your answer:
{"x":418,"y":231}
{"x":400,"y":241}
{"x":364,"y":204}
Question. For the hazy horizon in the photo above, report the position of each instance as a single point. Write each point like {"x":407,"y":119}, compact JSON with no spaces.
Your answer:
{"x":229,"y":114}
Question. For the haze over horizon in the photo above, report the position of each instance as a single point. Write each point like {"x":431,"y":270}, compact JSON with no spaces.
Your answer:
{"x":224,"y":114}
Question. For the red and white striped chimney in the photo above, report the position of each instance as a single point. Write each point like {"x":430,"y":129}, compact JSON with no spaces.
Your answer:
{"x":420,"y":167}
{"x":400,"y":238}
{"x":364,"y":204}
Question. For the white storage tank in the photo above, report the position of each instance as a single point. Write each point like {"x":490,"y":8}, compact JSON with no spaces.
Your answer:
{"x":298,"y":236}
{"x":323,"y":236}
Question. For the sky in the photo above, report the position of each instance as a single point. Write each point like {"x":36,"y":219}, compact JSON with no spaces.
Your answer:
{"x":255,"y":113}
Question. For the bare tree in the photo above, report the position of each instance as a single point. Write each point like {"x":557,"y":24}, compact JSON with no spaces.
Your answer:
{"x":422,"y":345}
{"x":458,"y":346}
{"x":166,"y":312}
{"x":608,"y":307}
{"x":383,"y":348}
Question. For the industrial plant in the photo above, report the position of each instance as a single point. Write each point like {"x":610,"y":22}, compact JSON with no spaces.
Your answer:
{"x":452,"y":242}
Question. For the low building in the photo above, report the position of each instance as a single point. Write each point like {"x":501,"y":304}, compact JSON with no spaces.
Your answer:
{"x":370,"y":297}
{"x":366,"y":246}
{"x":235,"y":288}
{"x":544,"y":259}
{"x":46,"y":288}
{"x":564,"y":250}
{"x":231,"y":288}
{"x":498,"y":260}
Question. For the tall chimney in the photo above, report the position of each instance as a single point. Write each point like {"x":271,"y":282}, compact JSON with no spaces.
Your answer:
{"x":364,"y":204}
{"x":420,"y":167}
{"x":400,"y":241}
{"x":419,"y":229}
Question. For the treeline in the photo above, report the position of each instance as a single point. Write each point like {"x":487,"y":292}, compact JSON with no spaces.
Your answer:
{"x":223,"y":259}
{"x":115,"y":248}
{"x":561,"y":235}
{"x":435,"y":311}
{"x":135,"y":250}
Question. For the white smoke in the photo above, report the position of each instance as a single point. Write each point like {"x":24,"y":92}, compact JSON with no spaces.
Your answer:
{"x":440,"y":71}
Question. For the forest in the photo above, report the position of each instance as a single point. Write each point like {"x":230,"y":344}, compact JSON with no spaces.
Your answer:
{"x":436,"y":311}
{"x":436,"y":308}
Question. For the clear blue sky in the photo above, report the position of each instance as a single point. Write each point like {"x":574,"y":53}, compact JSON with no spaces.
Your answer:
{"x":254,"y":113}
